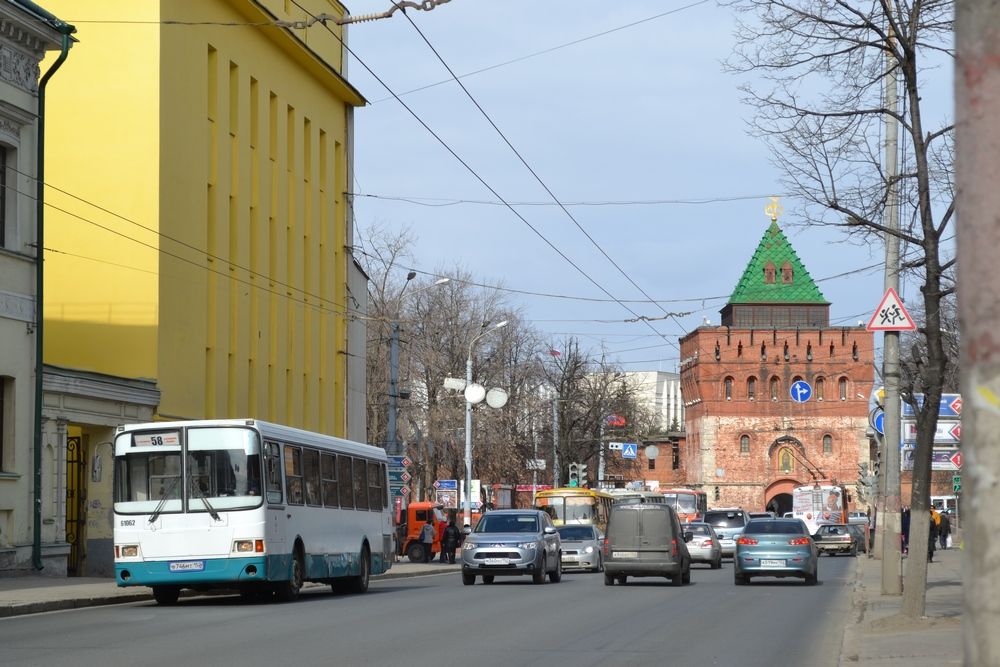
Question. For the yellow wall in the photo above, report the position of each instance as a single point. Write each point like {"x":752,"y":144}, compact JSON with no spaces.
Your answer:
{"x":235,"y":152}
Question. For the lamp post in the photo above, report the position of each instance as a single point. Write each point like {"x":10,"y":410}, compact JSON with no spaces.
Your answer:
{"x":468,"y":420}
{"x":392,"y":445}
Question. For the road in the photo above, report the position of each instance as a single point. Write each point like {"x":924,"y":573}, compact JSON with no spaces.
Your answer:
{"x":435,"y":620}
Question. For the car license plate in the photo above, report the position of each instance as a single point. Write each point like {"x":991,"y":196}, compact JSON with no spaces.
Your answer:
{"x":625,"y":554}
{"x":772,"y":563}
{"x":498,"y":561}
{"x":188,"y":566}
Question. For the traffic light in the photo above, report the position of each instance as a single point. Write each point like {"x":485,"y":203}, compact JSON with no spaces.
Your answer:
{"x":574,"y":474}
{"x":581,"y":469}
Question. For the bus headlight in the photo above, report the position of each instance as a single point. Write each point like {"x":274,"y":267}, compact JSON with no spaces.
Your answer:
{"x":248,"y":546}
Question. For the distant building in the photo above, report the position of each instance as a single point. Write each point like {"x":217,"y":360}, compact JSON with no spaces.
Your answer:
{"x":660,"y":392}
{"x":748,"y":441}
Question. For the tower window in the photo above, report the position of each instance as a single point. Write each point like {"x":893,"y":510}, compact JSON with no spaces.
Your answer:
{"x":728,"y":388}
{"x":744,"y":444}
{"x":751,"y":388}
{"x":769,"y":273}
{"x":827,"y":444}
{"x":786,"y":273}
{"x":843,"y":388}
{"x":774,"y":389}
{"x":820,"y":387}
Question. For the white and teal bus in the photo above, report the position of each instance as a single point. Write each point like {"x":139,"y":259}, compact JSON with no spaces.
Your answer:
{"x":247,"y":505}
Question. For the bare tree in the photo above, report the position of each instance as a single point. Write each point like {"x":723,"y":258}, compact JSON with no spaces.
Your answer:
{"x":821,"y":67}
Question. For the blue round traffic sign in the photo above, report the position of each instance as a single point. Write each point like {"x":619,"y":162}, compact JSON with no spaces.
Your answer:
{"x":800,"y":391}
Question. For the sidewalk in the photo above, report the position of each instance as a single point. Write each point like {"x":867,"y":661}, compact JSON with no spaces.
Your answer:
{"x":881,"y":638}
{"x":33,"y":594}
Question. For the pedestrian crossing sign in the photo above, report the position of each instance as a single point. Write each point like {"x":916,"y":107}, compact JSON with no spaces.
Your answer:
{"x":891,"y":315}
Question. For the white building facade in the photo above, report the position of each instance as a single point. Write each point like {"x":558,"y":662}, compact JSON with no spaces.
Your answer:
{"x":661,"y":392}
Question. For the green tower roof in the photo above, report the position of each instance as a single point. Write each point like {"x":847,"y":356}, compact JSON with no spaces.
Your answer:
{"x":766,"y":278}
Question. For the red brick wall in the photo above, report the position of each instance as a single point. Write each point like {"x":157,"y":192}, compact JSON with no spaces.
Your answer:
{"x":715,"y":424}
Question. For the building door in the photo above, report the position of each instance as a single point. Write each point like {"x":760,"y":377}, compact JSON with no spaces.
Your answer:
{"x":76,"y":503}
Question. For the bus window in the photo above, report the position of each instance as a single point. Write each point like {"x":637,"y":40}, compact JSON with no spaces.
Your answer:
{"x":328,"y":469}
{"x":272,"y":469}
{"x":360,"y":485}
{"x":310,"y":468}
{"x":345,"y":481}
{"x":293,"y":474}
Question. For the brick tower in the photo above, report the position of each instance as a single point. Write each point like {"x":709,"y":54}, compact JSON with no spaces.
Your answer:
{"x":748,"y":441}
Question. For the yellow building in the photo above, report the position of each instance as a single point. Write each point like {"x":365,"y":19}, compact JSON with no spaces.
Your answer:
{"x":197,"y":233}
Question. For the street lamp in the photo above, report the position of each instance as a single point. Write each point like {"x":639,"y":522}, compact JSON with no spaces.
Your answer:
{"x":392,"y":445}
{"x":473,"y":394}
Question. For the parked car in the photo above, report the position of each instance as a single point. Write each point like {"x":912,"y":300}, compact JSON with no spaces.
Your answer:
{"x":857,"y":517}
{"x":581,"y":547}
{"x":704,"y":546}
{"x":512,"y":542}
{"x":775,"y":548}
{"x":835,"y":539}
{"x":861,"y":535}
{"x":728,"y":524}
{"x":646,"y":540}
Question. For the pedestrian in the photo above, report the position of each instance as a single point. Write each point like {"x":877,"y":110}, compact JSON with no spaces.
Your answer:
{"x":449,"y":541}
{"x":944,"y":530}
{"x":427,"y":535}
{"x":931,"y":539}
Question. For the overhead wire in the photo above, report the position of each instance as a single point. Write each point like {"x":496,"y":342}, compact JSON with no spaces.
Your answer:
{"x":548,"y":190}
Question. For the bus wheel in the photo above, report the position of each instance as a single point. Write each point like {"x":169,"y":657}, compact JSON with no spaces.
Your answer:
{"x":166,"y":595}
{"x":288,"y":591}
{"x":415,"y":553}
{"x":359,"y":584}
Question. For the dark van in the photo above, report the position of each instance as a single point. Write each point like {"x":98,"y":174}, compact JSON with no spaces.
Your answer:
{"x":645,"y":540}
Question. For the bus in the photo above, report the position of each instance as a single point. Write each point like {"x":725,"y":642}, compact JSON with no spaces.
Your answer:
{"x":246,"y":505}
{"x":636,"y":496}
{"x":689,"y":504}
{"x":569,"y":505}
{"x":820,"y":504}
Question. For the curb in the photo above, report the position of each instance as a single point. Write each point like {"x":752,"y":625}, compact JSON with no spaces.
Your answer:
{"x":27,"y":608}
{"x":850,"y":645}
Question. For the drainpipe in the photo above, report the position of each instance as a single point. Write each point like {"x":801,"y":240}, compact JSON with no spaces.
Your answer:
{"x":36,"y":546}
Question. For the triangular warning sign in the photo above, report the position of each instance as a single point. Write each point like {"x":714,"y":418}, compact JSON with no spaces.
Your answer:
{"x":891,"y":315}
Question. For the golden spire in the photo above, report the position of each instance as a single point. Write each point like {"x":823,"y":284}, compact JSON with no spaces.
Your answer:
{"x":774,"y":209}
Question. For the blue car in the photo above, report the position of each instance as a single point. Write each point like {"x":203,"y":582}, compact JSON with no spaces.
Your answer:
{"x":775,"y":548}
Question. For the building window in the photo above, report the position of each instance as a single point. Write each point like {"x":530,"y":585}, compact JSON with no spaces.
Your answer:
{"x":751,"y":388}
{"x":820,"y":387}
{"x":675,"y":452}
{"x":774,"y":389}
{"x":3,"y":196}
{"x":728,"y":385}
{"x":651,"y":464}
{"x":769,"y":273}
{"x":843,"y":388}
{"x":744,"y":444}
{"x":6,"y":391}
{"x":786,"y":274}
{"x":827,"y":444}
{"x":785,"y":460}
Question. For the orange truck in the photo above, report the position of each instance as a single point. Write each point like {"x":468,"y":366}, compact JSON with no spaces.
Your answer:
{"x":409,"y":530}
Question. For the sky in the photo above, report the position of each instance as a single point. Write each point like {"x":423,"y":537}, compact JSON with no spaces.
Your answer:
{"x":638,"y":132}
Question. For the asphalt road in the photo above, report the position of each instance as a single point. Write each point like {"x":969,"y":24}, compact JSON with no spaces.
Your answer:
{"x":436,"y":621}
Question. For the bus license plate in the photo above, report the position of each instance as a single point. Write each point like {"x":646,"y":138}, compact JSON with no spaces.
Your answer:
{"x":188,"y":566}
{"x":772,"y":563}
{"x":625,"y":554}
{"x":498,"y":561}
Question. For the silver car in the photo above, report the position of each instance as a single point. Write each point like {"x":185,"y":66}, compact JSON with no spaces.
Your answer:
{"x":512,"y":542}
{"x":704,"y":546}
{"x":728,"y":524}
{"x":581,"y":547}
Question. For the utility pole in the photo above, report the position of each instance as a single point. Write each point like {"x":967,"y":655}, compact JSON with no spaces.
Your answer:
{"x":391,"y":445}
{"x":892,"y":559}
{"x":555,"y":443}
{"x":977,"y":150}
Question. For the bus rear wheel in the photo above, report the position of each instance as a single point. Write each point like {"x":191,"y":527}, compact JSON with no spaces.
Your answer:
{"x":359,"y":583}
{"x":166,"y":595}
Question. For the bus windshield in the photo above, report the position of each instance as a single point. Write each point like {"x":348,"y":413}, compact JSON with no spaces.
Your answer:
{"x":221,"y":471}
{"x":683,"y":502}
{"x":569,"y":510}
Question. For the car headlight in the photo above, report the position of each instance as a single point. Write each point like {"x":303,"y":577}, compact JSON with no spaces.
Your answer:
{"x":526,"y":545}
{"x":469,"y":546}
{"x":589,"y":550}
